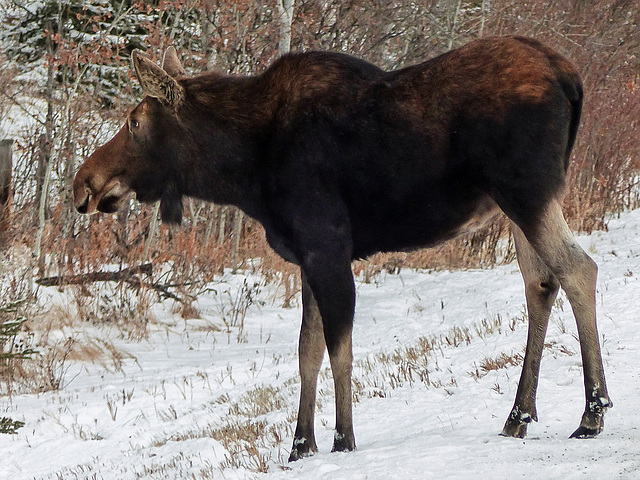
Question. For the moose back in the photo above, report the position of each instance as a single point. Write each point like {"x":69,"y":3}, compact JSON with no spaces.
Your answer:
{"x":339,"y":159}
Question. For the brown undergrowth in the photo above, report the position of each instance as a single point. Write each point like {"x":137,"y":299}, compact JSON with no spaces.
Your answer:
{"x":603,"y":180}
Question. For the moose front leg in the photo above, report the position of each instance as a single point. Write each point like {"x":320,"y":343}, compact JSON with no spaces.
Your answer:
{"x":323,"y":243}
{"x":335,"y":294}
{"x":341,"y":357}
{"x":310,"y":353}
{"x":331,"y":281}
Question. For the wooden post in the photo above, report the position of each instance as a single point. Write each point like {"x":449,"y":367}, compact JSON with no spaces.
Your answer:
{"x":6,"y":166}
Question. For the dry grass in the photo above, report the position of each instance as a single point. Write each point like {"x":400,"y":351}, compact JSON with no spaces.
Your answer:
{"x":251,"y":442}
{"x":503,"y":360}
{"x":36,"y":357}
{"x":413,"y":364}
{"x":603,"y":181}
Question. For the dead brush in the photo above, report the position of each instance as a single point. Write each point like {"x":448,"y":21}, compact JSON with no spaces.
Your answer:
{"x":116,"y":305}
{"x":250,"y":444}
{"x":514,"y":321}
{"x":259,"y":401}
{"x":39,"y":342}
{"x":503,"y":360}
{"x":234,"y":306}
{"x":245,"y":455}
{"x":16,"y":346}
{"x":413,"y":364}
{"x":457,"y":336}
{"x":488,"y":326}
{"x":193,"y":263}
{"x":32,"y":357}
{"x":559,"y":349}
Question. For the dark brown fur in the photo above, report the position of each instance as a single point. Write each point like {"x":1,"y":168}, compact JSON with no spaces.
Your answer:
{"x":339,"y":160}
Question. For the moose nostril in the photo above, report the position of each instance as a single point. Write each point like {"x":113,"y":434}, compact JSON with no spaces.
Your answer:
{"x":84,"y":206}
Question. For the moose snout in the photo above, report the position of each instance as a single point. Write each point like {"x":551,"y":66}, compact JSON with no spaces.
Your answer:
{"x":87,"y":191}
{"x":97,"y":192}
{"x":82,"y":193}
{"x":82,"y":204}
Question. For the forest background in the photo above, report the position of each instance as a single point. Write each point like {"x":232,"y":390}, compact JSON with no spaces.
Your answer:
{"x":66,"y":85}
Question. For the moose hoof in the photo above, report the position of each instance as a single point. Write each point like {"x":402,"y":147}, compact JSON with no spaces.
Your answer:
{"x":517,"y":423}
{"x":593,"y":418}
{"x":585,"y":432}
{"x":343,"y":443}
{"x":302,"y":448}
{"x":515,"y":430}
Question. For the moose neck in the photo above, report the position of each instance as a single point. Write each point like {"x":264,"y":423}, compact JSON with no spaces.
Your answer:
{"x":228,"y":118}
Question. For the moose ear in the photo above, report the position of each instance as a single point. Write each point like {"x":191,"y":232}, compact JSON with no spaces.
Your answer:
{"x":157,"y":83}
{"x":171,"y":64}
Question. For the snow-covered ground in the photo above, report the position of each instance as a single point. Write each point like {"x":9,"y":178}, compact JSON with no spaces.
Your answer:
{"x":196,"y":401}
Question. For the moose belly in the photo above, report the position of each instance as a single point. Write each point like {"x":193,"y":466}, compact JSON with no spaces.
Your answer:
{"x":411,"y":228}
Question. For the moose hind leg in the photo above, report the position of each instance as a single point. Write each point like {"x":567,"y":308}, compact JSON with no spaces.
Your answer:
{"x":577,"y":273}
{"x":310,"y":353}
{"x":541,"y":290}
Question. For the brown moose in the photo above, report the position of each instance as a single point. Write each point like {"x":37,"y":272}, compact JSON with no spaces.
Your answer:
{"x":339,"y":159}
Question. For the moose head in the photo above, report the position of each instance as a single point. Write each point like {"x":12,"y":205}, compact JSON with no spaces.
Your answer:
{"x":142,"y":159}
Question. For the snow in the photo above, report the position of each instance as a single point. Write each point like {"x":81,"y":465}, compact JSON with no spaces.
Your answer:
{"x":154,"y":418}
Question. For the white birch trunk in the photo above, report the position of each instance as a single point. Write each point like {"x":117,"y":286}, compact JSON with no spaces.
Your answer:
{"x":285,"y":10}
{"x":237,"y":236}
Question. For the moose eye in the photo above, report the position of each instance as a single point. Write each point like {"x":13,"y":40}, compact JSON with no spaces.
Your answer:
{"x":134,"y":123}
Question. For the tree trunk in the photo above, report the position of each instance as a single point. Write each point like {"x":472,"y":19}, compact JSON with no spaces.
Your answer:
{"x":453,"y":23}
{"x":46,"y":140}
{"x":285,"y":10}
{"x":237,"y":236}
{"x":6,"y":166}
{"x":222,"y":225}
{"x":211,"y":216}
{"x":38,"y":251}
{"x":68,"y":210}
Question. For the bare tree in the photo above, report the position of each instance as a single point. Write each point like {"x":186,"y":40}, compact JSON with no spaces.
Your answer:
{"x":243,"y":37}
{"x":285,"y":9}
{"x":6,"y":165}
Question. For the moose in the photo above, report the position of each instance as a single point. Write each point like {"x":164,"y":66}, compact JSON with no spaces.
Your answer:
{"x":339,"y":159}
